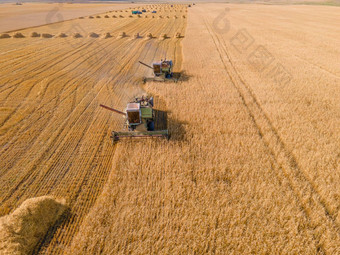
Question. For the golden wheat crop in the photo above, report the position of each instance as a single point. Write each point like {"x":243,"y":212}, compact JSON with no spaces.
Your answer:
{"x":252,"y":165}
{"x":54,"y":137}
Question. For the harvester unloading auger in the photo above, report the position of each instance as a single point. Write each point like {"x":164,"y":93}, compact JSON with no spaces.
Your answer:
{"x":162,"y":71}
{"x":140,"y":120}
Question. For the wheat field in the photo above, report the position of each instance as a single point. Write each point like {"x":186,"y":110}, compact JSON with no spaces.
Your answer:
{"x":252,"y":165}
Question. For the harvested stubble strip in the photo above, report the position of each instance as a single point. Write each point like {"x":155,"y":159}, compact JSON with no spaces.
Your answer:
{"x":21,"y":230}
{"x":18,"y":35}
{"x":3,"y":36}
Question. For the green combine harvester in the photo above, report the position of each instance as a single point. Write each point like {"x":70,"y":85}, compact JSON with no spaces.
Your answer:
{"x":162,"y":70}
{"x":142,"y":121}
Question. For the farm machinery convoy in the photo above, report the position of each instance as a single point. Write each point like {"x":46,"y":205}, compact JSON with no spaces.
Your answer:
{"x":141,"y":120}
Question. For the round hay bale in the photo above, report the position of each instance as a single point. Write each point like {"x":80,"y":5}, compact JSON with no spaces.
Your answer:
{"x":163,"y":36}
{"x":178,"y":35}
{"x":130,"y":16}
{"x":35,"y":34}
{"x":121,"y":35}
{"x":160,"y":16}
{"x":114,"y":16}
{"x":136,"y":36}
{"x":91,"y":17}
{"x":77,"y":35}
{"x":18,"y":35}
{"x":93,"y":35}
{"x":81,"y":17}
{"x":167,"y":17}
{"x":121,"y":16}
{"x":146,"y":16}
{"x":153,"y":17}
{"x":175,"y":17}
{"x":45,"y":35}
{"x":61,"y":35}
{"x":183,"y":16}
{"x":98,"y":17}
{"x":106,"y":16}
{"x":139,"y":16}
{"x":148,"y":36}
{"x":107,"y":35}
{"x":22,"y":230}
{"x":3,"y":36}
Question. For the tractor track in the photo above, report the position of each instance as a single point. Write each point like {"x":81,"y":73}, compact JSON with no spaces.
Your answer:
{"x":284,"y":161}
{"x":65,"y":122}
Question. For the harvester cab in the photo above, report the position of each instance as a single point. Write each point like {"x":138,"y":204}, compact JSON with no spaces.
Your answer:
{"x":140,"y":115}
{"x":162,"y":70}
{"x":140,"y":120}
{"x":164,"y":67}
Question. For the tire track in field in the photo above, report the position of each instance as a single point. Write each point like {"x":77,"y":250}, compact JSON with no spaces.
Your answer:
{"x":108,"y":43}
{"x":120,"y":90}
{"x":53,"y":53}
{"x":61,"y":128}
{"x":56,"y":168}
{"x":305,"y":192}
{"x":75,"y":221}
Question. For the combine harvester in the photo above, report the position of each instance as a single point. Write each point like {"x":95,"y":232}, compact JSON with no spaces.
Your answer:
{"x":141,"y":120}
{"x":162,"y":71}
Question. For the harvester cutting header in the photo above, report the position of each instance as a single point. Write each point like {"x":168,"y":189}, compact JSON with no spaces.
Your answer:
{"x":140,"y":120}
